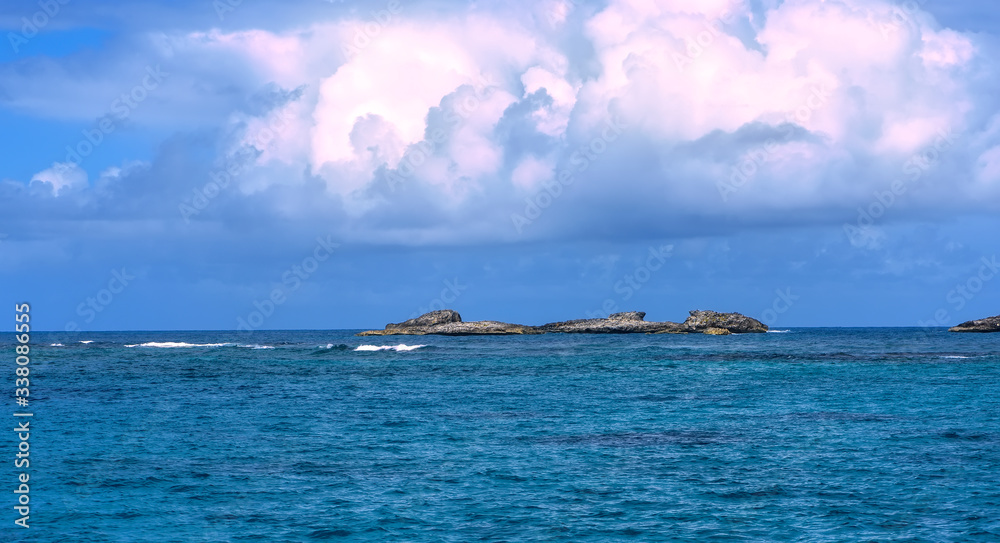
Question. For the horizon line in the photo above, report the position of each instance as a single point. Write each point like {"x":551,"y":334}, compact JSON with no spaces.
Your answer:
{"x":353,"y":329}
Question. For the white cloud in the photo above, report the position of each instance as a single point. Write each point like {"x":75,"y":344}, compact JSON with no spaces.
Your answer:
{"x":553,"y":119}
{"x":63,"y":177}
{"x":409,"y":68}
{"x":865,"y":91}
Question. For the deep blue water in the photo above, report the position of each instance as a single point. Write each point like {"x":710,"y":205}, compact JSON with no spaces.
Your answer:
{"x":810,"y":435}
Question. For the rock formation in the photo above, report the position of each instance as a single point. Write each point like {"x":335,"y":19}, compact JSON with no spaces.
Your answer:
{"x":989,"y":324}
{"x":446,"y":322}
{"x":699,"y":321}
{"x":449,"y":323}
{"x":433,"y":318}
{"x":630,"y":322}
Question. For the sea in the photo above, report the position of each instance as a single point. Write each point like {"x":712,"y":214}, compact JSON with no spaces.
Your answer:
{"x":804,"y":434}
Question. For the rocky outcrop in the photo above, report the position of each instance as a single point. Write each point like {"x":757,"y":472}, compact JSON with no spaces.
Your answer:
{"x":699,"y":321}
{"x":434,"y":318}
{"x":446,"y":322}
{"x":449,"y":323}
{"x":989,"y":324}
{"x":630,"y":322}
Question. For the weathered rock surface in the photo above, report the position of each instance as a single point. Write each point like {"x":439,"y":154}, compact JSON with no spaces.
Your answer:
{"x":630,"y":322}
{"x":699,"y":321}
{"x":448,"y":322}
{"x":434,"y":318}
{"x":989,"y":324}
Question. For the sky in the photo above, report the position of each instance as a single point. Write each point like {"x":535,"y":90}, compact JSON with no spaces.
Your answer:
{"x":317,"y":164}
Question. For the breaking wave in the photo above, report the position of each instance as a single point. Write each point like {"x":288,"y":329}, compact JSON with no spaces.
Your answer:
{"x":397,"y":348}
{"x":176,"y":344}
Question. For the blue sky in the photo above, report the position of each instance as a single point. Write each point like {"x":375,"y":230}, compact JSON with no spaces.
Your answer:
{"x":317,"y":164}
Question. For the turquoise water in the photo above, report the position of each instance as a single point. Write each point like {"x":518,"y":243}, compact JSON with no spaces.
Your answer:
{"x":809,"y":435}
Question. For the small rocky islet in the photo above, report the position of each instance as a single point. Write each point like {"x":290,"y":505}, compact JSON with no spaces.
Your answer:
{"x":989,"y":324}
{"x":449,"y":323}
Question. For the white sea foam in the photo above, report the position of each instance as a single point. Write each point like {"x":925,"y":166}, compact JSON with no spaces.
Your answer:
{"x":57,"y":345}
{"x":778,"y":331}
{"x":956,"y":356}
{"x":397,"y":348}
{"x":177,"y":344}
{"x":87,"y":341}
{"x":255,"y":346}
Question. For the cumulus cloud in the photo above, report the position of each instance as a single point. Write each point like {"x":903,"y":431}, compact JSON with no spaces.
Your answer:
{"x":62,"y":177}
{"x":797,"y":114}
